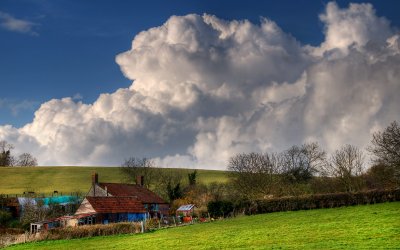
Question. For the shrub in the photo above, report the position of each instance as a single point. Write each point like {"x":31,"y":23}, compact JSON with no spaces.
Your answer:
{"x":92,"y":230}
{"x":220,"y":208}
{"x":5,"y":218}
{"x":320,"y":201}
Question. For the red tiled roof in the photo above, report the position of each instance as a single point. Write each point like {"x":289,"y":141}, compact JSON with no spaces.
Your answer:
{"x":112,"y":204}
{"x":142,"y":193}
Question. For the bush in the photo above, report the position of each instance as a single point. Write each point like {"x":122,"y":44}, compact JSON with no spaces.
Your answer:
{"x":320,"y":201}
{"x":5,"y":218}
{"x":91,"y":230}
{"x":220,"y":208}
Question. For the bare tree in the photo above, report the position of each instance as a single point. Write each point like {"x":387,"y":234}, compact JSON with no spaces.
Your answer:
{"x":254,"y":174}
{"x":386,"y":147}
{"x":26,"y":160}
{"x":347,"y":165}
{"x":134,"y":167}
{"x":300,"y":163}
{"x":5,"y":146}
{"x":33,"y":211}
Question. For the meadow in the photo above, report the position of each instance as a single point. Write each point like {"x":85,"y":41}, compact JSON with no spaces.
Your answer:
{"x":358,"y":227}
{"x":15,"y":180}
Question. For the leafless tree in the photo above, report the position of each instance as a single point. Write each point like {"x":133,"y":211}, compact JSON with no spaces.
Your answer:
{"x":26,"y":160}
{"x":347,"y":165}
{"x":5,"y":146}
{"x":254,"y":174}
{"x":386,"y":147}
{"x":33,"y":211}
{"x":300,"y":163}
{"x":134,"y":167}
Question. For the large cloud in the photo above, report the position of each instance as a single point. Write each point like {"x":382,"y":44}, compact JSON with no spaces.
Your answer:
{"x":204,"y":89}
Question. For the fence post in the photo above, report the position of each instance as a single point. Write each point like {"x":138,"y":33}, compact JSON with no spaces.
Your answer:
{"x":142,"y":227}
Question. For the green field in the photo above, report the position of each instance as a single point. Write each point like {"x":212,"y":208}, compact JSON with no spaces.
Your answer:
{"x":74,"y":179}
{"x":359,"y":227}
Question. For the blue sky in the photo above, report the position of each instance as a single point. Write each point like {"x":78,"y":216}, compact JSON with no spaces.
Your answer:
{"x":69,"y":48}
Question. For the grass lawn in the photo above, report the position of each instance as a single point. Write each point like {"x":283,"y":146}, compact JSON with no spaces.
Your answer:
{"x":73,"y":179}
{"x":359,"y":227}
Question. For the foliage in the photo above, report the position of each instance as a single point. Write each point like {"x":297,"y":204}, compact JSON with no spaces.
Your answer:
{"x":346,"y":164}
{"x":386,"y":147}
{"x":26,"y":160}
{"x":381,"y":176}
{"x":301,"y":163}
{"x":5,"y":218}
{"x":174,"y":192}
{"x":219,"y":208}
{"x":254,"y":174}
{"x":8,"y":160}
{"x":33,"y":212}
{"x":93,"y":230}
{"x":358,"y":227}
{"x":192,"y":178}
{"x":322,"y":201}
{"x":165,"y":180}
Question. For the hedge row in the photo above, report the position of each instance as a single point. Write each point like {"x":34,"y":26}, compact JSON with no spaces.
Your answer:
{"x":320,"y":201}
{"x":91,"y":230}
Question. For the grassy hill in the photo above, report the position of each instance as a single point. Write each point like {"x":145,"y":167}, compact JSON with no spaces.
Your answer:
{"x":74,"y":179}
{"x":358,"y":227}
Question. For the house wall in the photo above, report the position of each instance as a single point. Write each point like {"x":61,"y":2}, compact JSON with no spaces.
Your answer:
{"x":119,"y":217}
{"x":85,"y":208}
{"x":97,"y":191}
{"x":164,"y":209}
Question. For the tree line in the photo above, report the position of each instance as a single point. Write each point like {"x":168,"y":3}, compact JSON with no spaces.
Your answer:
{"x":7,"y":159}
{"x":300,"y":170}
{"x":307,"y":169}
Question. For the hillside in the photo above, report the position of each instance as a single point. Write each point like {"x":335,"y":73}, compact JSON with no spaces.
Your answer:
{"x":359,"y":227}
{"x":74,"y":179}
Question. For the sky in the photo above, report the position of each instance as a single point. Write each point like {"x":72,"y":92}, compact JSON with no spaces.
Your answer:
{"x":203,"y":81}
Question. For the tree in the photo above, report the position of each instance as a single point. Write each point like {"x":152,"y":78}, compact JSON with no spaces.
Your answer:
{"x":6,"y":158}
{"x":381,"y":176}
{"x":165,"y":180}
{"x":301,"y":163}
{"x":174,"y":192}
{"x":134,"y":167}
{"x":26,"y":160}
{"x":192,"y":178}
{"x":254,"y":174}
{"x":386,"y":147}
{"x":347,"y":165}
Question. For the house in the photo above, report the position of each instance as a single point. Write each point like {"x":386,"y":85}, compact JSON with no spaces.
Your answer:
{"x":154,"y":205}
{"x":110,"y":209}
{"x":63,"y":221}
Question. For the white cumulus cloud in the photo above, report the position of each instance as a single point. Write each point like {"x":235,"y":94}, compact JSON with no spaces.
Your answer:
{"x":204,"y":89}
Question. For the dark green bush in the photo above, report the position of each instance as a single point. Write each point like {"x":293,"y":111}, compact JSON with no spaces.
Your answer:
{"x":219,"y":208}
{"x":318,"y":201}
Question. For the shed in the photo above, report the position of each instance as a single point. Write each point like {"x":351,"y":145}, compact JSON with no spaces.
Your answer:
{"x":186,"y":210}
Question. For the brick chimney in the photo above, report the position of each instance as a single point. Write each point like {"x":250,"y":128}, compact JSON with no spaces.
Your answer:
{"x":95,"y":178}
{"x":140,"y":180}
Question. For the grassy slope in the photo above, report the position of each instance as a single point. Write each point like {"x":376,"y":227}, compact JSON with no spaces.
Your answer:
{"x":360,"y":227}
{"x":72,"y":179}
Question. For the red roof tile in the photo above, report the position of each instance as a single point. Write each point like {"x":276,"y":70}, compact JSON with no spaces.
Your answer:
{"x":143,"y":194}
{"x":112,"y":204}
